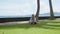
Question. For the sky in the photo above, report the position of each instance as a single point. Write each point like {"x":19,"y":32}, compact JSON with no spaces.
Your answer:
{"x":26,"y":7}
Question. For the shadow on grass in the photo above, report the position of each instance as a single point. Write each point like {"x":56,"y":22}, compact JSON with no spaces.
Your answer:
{"x":27,"y":26}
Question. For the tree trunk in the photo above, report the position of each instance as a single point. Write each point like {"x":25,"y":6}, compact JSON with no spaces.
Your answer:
{"x":51,"y":10}
{"x":38,"y":9}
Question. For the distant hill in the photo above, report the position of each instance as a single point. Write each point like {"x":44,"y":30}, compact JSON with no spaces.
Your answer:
{"x":48,"y":14}
{"x":45,"y":14}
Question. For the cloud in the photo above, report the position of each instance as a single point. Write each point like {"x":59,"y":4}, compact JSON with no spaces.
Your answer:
{"x":10,"y":13}
{"x":9,"y":6}
{"x":45,"y":6}
{"x":16,"y":9}
{"x":26,"y":7}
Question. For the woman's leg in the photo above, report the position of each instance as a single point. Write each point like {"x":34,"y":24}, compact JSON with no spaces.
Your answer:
{"x":35,"y":23}
{"x":31,"y":23}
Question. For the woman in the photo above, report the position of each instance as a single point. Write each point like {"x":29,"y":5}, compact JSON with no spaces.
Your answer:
{"x":32,"y":19}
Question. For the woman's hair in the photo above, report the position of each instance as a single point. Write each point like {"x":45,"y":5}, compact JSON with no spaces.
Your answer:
{"x":32,"y":14}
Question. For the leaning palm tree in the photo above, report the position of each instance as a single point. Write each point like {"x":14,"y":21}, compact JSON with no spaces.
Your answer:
{"x":51,"y":10}
{"x":38,"y":9}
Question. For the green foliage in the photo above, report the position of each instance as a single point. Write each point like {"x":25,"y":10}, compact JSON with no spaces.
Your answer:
{"x":52,"y":18}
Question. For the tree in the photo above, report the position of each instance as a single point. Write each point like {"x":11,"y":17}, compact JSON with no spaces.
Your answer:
{"x":38,"y":10}
{"x":51,"y":10}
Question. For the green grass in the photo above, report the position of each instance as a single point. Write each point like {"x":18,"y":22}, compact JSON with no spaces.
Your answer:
{"x":50,"y":27}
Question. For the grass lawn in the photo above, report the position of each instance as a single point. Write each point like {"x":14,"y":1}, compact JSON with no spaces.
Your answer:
{"x":50,"y":27}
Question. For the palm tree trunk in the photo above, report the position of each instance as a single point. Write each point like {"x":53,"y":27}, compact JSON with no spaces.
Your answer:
{"x":38,"y":9}
{"x":51,"y":10}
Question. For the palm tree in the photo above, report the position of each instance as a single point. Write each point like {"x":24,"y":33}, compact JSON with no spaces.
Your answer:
{"x":51,"y":10}
{"x":38,"y":9}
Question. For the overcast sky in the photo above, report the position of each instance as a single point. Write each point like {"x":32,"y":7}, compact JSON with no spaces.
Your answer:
{"x":26,"y":7}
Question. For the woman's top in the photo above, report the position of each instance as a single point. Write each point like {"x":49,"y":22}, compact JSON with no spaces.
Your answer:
{"x":32,"y":20}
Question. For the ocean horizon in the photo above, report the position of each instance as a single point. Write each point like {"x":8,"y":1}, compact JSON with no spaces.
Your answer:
{"x":41,"y":15}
